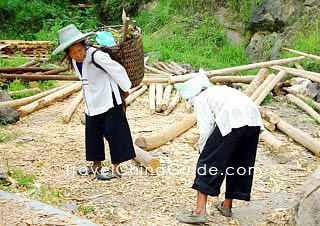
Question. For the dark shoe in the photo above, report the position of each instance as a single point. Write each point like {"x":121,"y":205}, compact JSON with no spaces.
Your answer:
{"x":85,"y":171}
{"x":190,"y":218}
{"x":224,"y":211}
{"x":105,"y":174}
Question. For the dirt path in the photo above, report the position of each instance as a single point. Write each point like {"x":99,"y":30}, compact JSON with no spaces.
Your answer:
{"x":52,"y":151}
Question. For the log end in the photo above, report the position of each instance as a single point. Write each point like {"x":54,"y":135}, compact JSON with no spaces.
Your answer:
{"x":141,"y":142}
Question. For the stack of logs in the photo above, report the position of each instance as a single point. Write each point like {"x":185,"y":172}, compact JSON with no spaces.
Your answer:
{"x":30,"y":49}
{"x":159,"y":81}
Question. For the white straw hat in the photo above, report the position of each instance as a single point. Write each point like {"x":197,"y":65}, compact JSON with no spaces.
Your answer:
{"x":68,"y":36}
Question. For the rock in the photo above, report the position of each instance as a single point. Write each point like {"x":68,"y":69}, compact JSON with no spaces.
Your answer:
{"x":4,"y":96}
{"x":8,"y":115}
{"x":307,"y":208}
{"x":274,"y":15}
{"x":263,"y":45}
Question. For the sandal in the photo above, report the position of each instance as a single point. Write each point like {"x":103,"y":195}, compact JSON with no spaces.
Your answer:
{"x":107,"y":174}
{"x":224,"y":211}
{"x":191,"y":218}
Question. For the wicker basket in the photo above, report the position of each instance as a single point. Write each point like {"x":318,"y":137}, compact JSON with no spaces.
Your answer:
{"x":131,"y":56}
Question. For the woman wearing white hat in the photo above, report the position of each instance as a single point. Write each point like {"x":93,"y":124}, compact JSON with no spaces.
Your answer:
{"x":102,"y":80}
{"x":229,"y":124}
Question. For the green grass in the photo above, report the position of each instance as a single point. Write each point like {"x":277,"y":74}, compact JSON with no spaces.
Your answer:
{"x":7,"y":136}
{"x":50,"y":195}
{"x":86,"y":209}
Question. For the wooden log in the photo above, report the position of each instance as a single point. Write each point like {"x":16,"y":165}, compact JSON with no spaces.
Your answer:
{"x":29,"y":64}
{"x":173,"y":103}
{"x":48,"y":100}
{"x":313,"y":76}
{"x":23,"y":69}
{"x":134,"y":89}
{"x":263,"y":85}
{"x":269,"y":126}
{"x":257,"y":81}
{"x":150,"y":80}
{"x":304,"y":98}
{"x":157,"y":139}
{"x":270,"y":87}
{"x":159,"y":67}
{"x":273,"y":141}
{"x":166,"y":97}
{"x":55,"y":71}
{"x":231,"y":79}
{"x":301,"y":137}
{"x":301,"y":104}
{"x":152,"y":98}
{"x":311,"y":56}
{"x":156,"y":70}
{"x":269,"y":116}
{"x":183,"y":70}
{"x":28,"y":100}
{"x":298,"y":66}
{"x":33,"y":77}
{"x":69,"y":110}
{"x":169,"y":68}
{"x":150,"y":163}
{"x":188,"y":107}
{"x":146,"y":60}
{"x":24,"y":91}
{"x":175,"y":68}
{"x":159,"y":94}
{"x":136,"y":94}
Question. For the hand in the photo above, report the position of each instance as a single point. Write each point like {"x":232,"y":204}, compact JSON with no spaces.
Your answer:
{"x":125,"y":94}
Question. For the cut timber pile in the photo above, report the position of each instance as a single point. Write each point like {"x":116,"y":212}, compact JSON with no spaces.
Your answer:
{"x":32,"y":49}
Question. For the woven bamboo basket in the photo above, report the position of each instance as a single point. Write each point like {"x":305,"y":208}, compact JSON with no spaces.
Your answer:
{"x":130,"y":55}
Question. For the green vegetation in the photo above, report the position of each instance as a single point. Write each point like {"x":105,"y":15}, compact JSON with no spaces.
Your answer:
{"x":50,"y":196}
{"x":7,"y":136}
{"x":86,"y":209}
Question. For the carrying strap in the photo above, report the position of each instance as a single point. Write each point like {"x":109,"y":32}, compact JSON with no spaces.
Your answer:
{"x":120,"y":90}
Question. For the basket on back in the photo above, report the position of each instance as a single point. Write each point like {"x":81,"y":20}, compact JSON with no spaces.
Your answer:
{"x":130,"y":55}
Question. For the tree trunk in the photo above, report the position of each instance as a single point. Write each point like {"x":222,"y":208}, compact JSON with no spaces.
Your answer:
{"x":232,"y":79}
{"x":67,"y":113}
{"x":152,"y":98}
{"x":301,"y":137}
{"x":157,"y":139}
{"x":33,"y":77}
{"x":28,"y":100}
{"x":262,"y":87}
{"x":150,"y":163}
{"x":273,"y":142}
{"x":313,"y":76}
{"x":166,"y":97}
{"x":50,"y":99}
{"x":311,"y":56}
{"x":257,"y":81}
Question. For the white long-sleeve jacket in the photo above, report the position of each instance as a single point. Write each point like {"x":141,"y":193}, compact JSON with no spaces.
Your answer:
{"x":225,"y":107}
{"x":98,"y":85}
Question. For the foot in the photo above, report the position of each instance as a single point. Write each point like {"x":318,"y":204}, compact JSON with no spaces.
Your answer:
{"x":107,"y":174}
{"x":224,"y":211}
{"x":191,"y":218}
{"x":87,"y":170}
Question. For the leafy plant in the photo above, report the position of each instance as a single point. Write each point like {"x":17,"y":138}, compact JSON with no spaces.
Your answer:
{"x":7,"y":136}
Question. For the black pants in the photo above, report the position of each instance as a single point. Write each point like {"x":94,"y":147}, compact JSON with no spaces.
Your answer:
{"x":232,"y":156}
{"x":112,"y":125}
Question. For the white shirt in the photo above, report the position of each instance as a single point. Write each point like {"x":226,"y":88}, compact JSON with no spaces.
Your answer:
{"x":98,"y":85}
{"x":225,"y":107}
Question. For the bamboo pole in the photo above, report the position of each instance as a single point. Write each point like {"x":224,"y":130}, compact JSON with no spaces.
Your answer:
{"x":257,"y":81}
{"x":301,"y":104}
{"x":152,"y":98}
{"x":263,"y":85}
{"x":301,"y":137}
{"x":175,"y":100}
{"x":270,"y":87}
{"x":47,"y":100}
{"x":136,"y":94}
{"x":69,"y":110}
{"x":150,"y":163}
{"x":28,"y":100}
{"x":311,"y":56}
{"x":159,"y":93}
{"x":273,"y":141}
{"x":313,"y":76}
{"x":166,"y":97}
{"x":161,"y":137}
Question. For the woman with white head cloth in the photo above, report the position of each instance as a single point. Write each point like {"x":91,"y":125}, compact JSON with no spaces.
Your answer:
{"x":229,"y":123}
